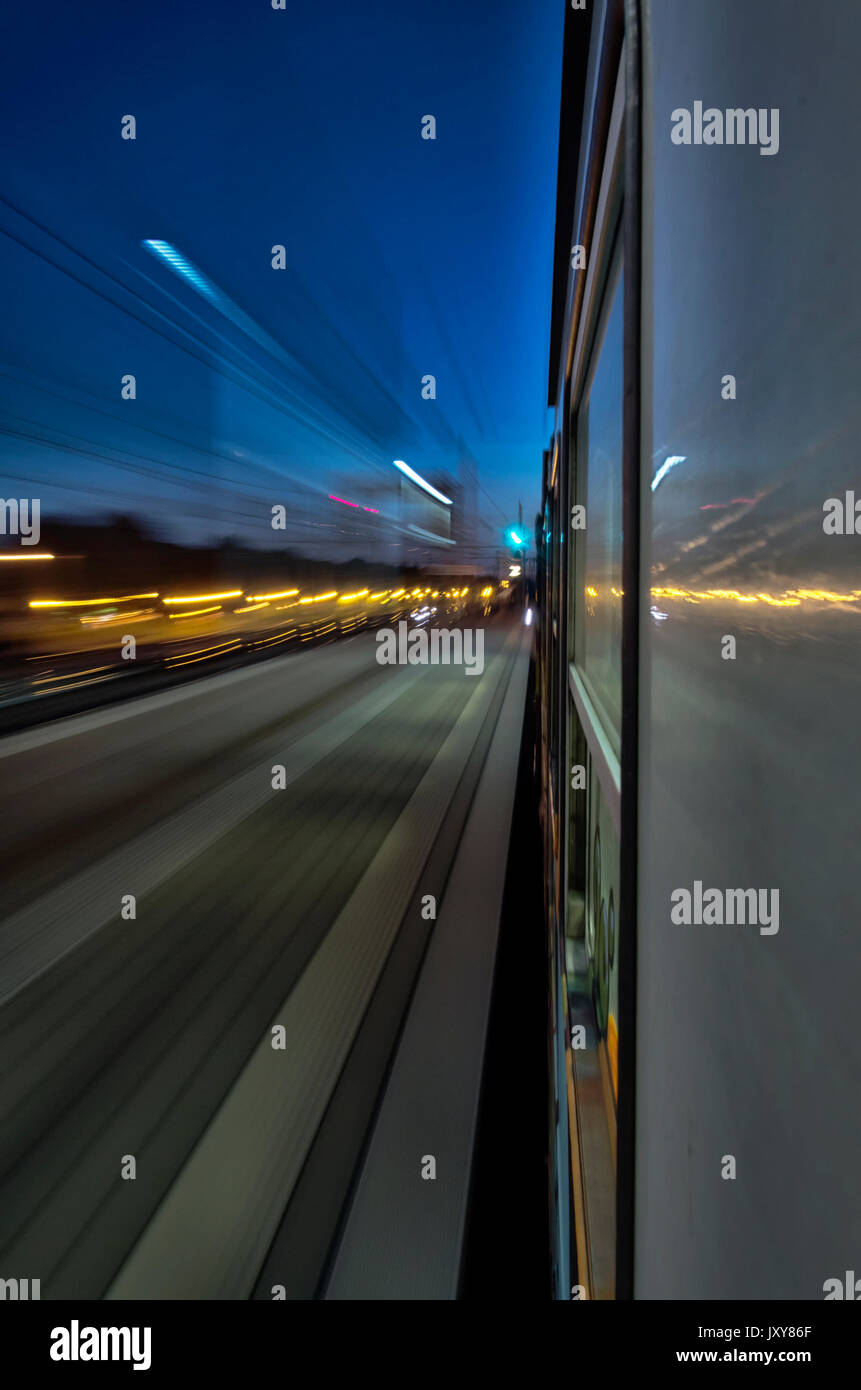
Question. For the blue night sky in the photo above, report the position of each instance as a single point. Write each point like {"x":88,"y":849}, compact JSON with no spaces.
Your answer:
{"x":254,"y":128}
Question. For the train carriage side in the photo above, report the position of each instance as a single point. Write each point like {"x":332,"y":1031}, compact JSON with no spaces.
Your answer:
{"x":700,"y":631}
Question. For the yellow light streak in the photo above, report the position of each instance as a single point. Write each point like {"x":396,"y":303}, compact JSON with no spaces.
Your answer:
{"x":790,"y":598}
{"x":39,"y":555}
{"x":72,"y":675}
{"x":181,"y":657}
{"x":274,"y":639}
{"x":195,"y":612}
{"x":212,"y":651}
{"x":143,"y":615}
{"x":52,"y":656}
{"x":267,"y":598}
{"x":83,"y":602}
{"x":78,"y":685}
{"x":177,"y":599}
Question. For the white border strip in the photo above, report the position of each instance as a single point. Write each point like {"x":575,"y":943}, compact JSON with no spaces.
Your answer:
{"x":605,"y":760}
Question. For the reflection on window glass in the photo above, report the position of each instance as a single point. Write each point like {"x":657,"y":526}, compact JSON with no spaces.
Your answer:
{"x":598,"y":645}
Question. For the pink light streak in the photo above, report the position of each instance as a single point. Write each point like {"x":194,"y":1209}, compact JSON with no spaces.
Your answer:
{"x":707,"y":506}
{"x":344,"y":503}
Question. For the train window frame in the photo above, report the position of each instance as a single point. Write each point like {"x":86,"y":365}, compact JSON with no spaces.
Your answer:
{"x":607,"y":249}
{"x":590,"y":706}
{"x":599,"y":225}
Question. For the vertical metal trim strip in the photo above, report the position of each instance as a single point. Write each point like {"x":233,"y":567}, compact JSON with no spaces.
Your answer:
{"x":630,"y":661}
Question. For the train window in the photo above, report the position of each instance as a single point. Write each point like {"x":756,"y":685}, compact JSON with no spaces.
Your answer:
{"x":553,"y":617}
{"x":595,"y":653}
{"x":602,"y":895}
{"x":589,"y":504}
{"x":578,"y":826}
{"x":597,"y":570}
